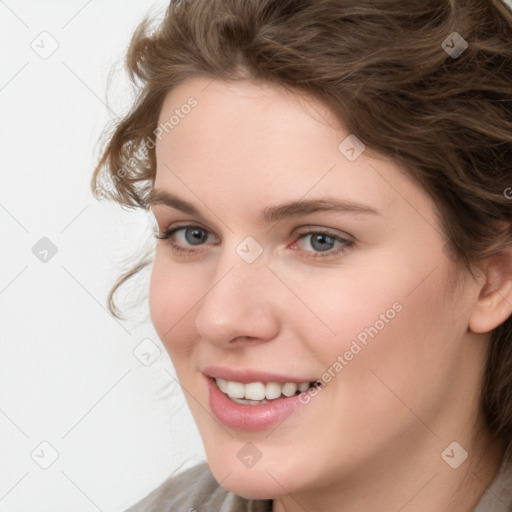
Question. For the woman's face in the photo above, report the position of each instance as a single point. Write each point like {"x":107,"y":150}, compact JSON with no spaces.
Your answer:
{"x":304,"y":261}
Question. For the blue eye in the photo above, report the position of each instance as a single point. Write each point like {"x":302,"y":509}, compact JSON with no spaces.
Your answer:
{"x":313,"y":244}
{"x":322,"y":242}
{"x":185,"y":235}
{"x":194,"y":236}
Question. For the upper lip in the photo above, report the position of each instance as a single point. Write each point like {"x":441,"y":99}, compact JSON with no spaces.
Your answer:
{"x":248,"y":375}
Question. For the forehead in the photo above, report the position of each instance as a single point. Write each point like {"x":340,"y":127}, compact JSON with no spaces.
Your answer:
{"x":213,"y":94}
{"x":265,"y":143}
{"x":249,"y":117}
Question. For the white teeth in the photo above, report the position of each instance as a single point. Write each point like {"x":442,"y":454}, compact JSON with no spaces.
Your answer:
{"x":235,"y":389}
{"x":289,"y":389}
{"x":272,"y":390}
{"x":249,"y":402}
{"x":256,"y":393}
{"x":303,"y":386}
{"x":223,"y":385}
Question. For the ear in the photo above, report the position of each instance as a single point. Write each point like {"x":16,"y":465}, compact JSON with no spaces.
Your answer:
{"x":494,"y":303}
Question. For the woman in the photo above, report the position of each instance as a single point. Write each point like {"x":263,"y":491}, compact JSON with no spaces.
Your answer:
{"x":332,"y":279}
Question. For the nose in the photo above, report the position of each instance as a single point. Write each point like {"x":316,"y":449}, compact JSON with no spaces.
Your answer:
{"x":240,"y":306}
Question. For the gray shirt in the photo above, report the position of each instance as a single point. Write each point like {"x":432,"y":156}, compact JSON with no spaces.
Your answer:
{"x":196,"y":490}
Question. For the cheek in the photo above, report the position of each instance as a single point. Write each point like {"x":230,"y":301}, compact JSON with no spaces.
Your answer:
{"x":337,"y":310}
{"x":386,"y":324}
{"x":172,"y":294}
{"x":412,"y":358}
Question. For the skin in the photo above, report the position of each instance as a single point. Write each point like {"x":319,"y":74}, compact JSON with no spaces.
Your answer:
{"x":372,"y":438}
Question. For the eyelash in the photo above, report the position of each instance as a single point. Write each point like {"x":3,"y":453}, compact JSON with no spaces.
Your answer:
{"x":346,"y":243}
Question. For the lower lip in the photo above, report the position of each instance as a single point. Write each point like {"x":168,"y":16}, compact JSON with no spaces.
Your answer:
{"x":250,"y":417}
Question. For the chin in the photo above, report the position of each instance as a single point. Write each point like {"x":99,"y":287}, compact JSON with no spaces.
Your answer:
{"x":262,"y":481}
{"x":251,"y":485}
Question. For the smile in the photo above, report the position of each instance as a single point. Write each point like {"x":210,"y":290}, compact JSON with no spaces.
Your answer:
{"x":256,"y":405}
{"x":260,"y":393}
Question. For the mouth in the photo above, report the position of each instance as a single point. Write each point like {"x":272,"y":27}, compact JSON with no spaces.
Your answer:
{"x":255,"y":400}
{"x":261,"y":393}
{"x":258,"y":405}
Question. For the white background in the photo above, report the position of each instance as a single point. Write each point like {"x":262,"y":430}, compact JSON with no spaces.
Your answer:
{"x":68,"y":374}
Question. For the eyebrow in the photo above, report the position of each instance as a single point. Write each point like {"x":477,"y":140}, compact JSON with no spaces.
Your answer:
{"x":299,"y":208}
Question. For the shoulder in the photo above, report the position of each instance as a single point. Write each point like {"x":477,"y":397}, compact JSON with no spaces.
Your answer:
{"x":188,"y":489}
{"x":196,"y":489}
{"x":498,"y":496}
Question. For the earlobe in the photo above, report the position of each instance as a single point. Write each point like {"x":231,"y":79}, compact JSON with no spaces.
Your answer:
{"x":494,"y":303}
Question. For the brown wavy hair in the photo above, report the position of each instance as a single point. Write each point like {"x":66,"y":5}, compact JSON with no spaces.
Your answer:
{"x":381,"y":67}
